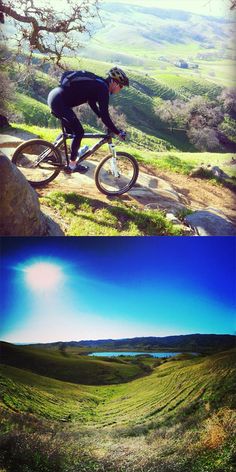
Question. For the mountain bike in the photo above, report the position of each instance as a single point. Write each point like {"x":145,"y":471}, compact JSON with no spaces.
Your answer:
{"x":41,"y":161}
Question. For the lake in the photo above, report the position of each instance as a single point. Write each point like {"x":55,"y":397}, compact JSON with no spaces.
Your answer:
{"x":132,"y":353}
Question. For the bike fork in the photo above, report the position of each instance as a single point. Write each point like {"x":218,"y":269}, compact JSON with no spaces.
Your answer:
{"x":114,"y":168}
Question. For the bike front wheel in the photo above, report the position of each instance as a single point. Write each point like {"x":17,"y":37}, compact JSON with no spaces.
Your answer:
{"x":115,"y":176}
{"x":38,"y":160}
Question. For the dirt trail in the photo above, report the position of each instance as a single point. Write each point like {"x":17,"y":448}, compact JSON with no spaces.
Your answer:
{"x":168,"y":189}
{"x":196,"y":193}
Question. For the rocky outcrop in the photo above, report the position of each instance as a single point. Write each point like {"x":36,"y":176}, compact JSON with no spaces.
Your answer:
{"x":208,"y":171}
{"x":210,"y":222}
{"x":20,"y":213}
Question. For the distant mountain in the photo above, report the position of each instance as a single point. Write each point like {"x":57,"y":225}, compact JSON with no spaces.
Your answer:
{"x":205,"y":343}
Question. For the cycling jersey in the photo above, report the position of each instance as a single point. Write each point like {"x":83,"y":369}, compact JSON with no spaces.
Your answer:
{"x":94,"y":92}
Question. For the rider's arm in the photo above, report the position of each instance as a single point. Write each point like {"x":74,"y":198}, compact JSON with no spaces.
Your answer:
{"x":103,"y":102}
{"x":94,"y":107}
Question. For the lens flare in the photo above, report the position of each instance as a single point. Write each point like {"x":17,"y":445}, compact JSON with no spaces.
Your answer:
{"x":43,"y":276}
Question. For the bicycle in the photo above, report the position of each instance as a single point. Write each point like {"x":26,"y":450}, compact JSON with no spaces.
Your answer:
{"x":41,"y":162}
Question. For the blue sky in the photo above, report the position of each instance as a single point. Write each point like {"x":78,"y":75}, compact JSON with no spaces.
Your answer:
{"x":117,"y":287}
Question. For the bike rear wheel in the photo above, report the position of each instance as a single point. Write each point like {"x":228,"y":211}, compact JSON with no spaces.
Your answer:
{"x":37,"y":160}
{"x":116,"y":181}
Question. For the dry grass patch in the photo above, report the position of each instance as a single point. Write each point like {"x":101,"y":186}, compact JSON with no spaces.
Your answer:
{"x":218,"y":428}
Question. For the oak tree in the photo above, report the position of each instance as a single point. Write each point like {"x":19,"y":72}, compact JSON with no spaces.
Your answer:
{"x":52,"y":28}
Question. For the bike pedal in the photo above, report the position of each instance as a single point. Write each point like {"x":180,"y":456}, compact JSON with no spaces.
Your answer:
{"x":67,"y":170}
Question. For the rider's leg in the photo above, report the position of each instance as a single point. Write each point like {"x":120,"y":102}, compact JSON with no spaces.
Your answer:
{"x":78,"y":131}
{"x":73,"y":126}
{"x":69,"y":119}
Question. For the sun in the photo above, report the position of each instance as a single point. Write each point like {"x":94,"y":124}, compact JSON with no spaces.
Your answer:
{"x":43,"y":276}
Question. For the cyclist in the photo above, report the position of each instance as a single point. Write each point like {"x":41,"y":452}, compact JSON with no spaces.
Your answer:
{"x":95,"y":91}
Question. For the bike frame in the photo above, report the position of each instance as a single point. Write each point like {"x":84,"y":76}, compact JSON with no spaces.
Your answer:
{"x":104,"y":138}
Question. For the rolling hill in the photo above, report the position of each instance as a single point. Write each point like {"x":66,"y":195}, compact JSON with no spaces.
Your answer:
{"x":170,"y":388}
{"x":156,"y":37}
{"x":69,"y":367}
{"x":185,"y":406}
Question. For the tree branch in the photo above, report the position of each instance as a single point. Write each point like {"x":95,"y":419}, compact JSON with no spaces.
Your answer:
{"x":13,"y":14}
{"x":48,"y":25}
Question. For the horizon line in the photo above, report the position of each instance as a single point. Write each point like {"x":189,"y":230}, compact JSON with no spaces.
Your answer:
{"x":118,"y":339}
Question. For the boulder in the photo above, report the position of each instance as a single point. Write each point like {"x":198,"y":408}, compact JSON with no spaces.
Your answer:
{"x":20,"y":213}
{"x":209,"y":171}
{"x":168,"y":205}
{"x":210,"y":222}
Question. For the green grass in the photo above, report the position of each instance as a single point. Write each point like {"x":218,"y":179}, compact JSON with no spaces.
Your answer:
{"x":43,"y":132}
{"x":33,"y":111}
{"x":186,"y":87}
{"x":179,"y":418}
{"x":183,"y":162}
{"x":88,"y":217}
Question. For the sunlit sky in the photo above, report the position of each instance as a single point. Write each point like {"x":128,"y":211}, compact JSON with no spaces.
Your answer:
{"x":97,"y":288}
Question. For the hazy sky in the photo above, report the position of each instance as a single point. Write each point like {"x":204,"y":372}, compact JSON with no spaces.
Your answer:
{"x":116,"y":287}
{"x":203,"y":7}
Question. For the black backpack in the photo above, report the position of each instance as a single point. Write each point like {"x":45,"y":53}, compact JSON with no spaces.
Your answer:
{"x":70,"y":76}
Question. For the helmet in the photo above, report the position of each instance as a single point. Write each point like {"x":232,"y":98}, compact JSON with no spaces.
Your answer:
{"x":119,"y":75}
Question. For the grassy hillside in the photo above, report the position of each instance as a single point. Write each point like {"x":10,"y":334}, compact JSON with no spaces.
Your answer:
{"x":156,"y":37}
{"x":69,"y":367}
{"x":137,"y":103}
{"x":32,"y":111}
{"x":168,"y":391}
{"x":179,"y":418}
{"x":185,"y":87}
